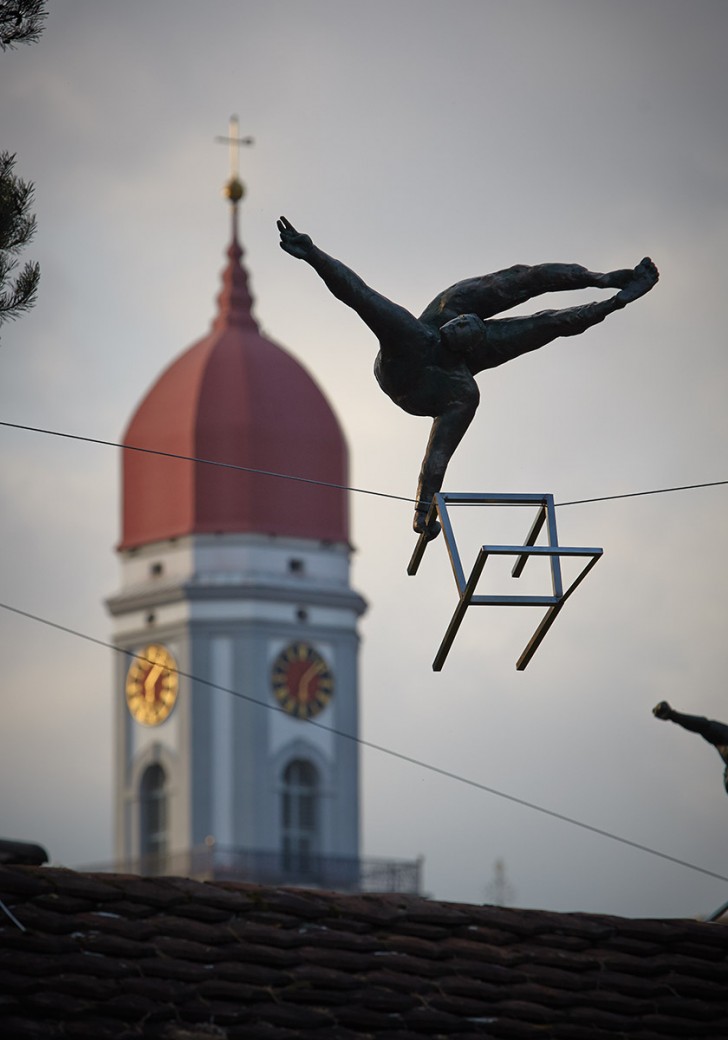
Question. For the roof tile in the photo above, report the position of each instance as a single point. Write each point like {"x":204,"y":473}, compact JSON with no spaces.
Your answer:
{"x":485,"y":934}
{"x":17,"y":881}
{"x":186,"y":949}
{"x":481,"y":969}
{"x":35,"y":940}
{"x":156,"y":966}
{"x":204,"y":933}
{"x":344,"y":923}
{"x":430,"y":1020}
{"x":206,"y":913}
{"x":139,"y":929}
{"x":398,"y":981}
{"x":58,"y":1004}
{"x":249,"y":930}
{"x":225,"y":895}
{"x":373,"y":910}
{"x":433,"y":932}
{"x":326,"y":978}
{"x":292,"y":902}
{"x":59,"y":903}
{"x":13,"y":982}
{"x":133,"y":1007}
{"x":85,"y":886}
{"x":292,"y":1016}
{"x":526,"y":1011}
{"x":331,"y":938}
{"x":345,"y":960}
{"x":89,"y":987}
{"x":675,"y":1026}
{"x":381,"y":998}
{"x":165,"y":991}
{"x":262,"y":975}
{"x":364,"y":1020}
{"x":159,"y":892}
{"x":104,"y":945}
{"x":415,"y":947}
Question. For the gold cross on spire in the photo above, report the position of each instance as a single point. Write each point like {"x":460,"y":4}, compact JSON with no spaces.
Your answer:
{"x":234,"y":189}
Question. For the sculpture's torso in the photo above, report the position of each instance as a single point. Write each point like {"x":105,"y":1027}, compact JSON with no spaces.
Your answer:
{"x":420,"y":375}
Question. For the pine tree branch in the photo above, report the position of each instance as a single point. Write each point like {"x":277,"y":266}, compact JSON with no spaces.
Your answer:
{"x":17,"y":226}
{"x":21,"y":21}
{"x":21,"y":296}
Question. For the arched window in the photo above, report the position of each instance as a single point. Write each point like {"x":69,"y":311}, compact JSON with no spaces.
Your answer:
{"x":153,"y":818}
{"x":300,"y":816}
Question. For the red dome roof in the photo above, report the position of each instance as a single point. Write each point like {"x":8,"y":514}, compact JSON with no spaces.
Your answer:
{"x":234,"y":397}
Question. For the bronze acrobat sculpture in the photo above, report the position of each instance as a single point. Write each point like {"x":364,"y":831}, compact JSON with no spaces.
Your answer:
{"x":427,"y":365}
{"x":716,"y":733}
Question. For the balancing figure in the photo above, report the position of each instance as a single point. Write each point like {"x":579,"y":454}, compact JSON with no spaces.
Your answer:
{"x":716,"y":733}
{"x":427,"y":365}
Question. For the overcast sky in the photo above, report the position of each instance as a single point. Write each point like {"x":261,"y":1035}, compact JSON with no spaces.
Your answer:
{"x":421,"y":142}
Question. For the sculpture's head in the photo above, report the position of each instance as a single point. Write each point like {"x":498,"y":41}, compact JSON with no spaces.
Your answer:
{"x":462,"y":334}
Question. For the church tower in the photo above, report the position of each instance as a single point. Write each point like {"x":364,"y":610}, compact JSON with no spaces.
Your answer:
{"x":236,"y":609}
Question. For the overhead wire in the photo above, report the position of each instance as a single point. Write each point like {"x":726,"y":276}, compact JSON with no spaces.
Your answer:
{"x":325,"y":483}
{"x":383,"y":749}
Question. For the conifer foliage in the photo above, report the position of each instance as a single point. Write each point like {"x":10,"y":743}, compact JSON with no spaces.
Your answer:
{"x":21,"y":21}
{"x":17,"y":225}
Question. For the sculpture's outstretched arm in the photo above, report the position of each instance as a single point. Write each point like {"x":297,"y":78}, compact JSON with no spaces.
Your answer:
{"x":448,"y":429}
{"x":384,"y":318}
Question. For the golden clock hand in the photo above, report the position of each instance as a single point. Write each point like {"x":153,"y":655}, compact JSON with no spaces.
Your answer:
{"x":315,"y":669}
{"x":151,"y":681}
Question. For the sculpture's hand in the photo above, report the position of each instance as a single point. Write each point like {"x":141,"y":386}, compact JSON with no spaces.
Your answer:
{"x":662,"y":710}
{"x":293,"y":241}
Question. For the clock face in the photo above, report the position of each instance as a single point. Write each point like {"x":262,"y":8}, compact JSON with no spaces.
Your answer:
{"x":152,"y":684}
{"x":302,"y":682}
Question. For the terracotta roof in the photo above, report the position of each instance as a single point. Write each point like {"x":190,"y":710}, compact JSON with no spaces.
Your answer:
{"x":118,"y":956}
{"x":239,"y":398}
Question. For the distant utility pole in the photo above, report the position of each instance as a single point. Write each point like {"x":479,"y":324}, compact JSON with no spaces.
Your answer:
{"x":498,"y":891}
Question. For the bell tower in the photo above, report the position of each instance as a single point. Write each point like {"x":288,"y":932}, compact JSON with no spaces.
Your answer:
{"x":237,"y":613}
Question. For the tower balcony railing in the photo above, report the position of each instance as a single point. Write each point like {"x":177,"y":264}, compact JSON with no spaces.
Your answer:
{"x":215,"y":862}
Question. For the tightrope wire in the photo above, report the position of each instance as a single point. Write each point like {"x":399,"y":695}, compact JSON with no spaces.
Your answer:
{"x":204,"y":462}
{"x":325,"y":483}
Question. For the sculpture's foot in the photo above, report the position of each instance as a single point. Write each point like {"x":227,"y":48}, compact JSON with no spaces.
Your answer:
{"x":644,"y":276}
{"x":421,"y":526}
{"x":662,"y":710}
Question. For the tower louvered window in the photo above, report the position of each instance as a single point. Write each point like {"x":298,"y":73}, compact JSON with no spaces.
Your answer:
{"x":153,"y":817}
{"x":300,"y":813}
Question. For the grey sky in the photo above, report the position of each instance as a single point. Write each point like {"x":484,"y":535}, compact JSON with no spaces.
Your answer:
{"x":420,"y":142}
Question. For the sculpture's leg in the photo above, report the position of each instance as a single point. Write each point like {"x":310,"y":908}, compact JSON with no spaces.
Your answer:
{"x":447,"y":431}
{"x":508,"y":338}
{"x":494,"y":293}
{"x":715,"y":733}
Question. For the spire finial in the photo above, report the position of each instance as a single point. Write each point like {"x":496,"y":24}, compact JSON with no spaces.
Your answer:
{"x":234,"y":188}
